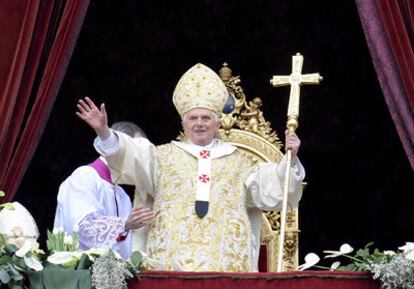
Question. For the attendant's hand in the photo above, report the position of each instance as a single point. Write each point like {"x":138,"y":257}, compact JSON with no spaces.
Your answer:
{"x":292,"y":143}
{"x":95,"y":117}
{"x":139,"y":217}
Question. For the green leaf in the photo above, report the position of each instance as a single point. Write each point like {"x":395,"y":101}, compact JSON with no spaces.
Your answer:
{"x":36,"y":279}
{"x":363,"y":253}
{"x":84,"y":262}
{"x":8,"y":206}
{"x":111,"y":254}
{"x":17,"y":277}
{"x":4,"y":276}
{"x":12,"y":269}
{"x":61,"y":243}
{"x":84,"y":279}
{"x":10,"y":249}
{"x":129,"y":274}
{"x":55,"y":277}
{"x":369,"y":245}
{"x":58,"y":278}
{"x":4,"y":259}
{"x":377,"y":252}
{"x":349,"y":267}
{"x":18,"y":263}
{"x":136,"y":258}
{"x":49,"y":242}
{"x":3,"y":240}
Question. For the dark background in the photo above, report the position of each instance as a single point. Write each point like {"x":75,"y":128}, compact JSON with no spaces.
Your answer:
{"x":130,"y":55}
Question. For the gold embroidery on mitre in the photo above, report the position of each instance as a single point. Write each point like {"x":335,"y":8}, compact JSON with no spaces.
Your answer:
{"x":200,"y":87}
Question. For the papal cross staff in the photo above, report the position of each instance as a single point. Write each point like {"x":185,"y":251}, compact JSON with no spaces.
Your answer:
{"x":295,"y":80}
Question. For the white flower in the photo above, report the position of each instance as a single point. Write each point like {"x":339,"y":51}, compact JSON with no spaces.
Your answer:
{"x":75,"y":229}
{"x":67,"y":239}
{"x":57,"y":230}
{"x":77,"y":254}
{"x":410,"y":256}
{"x":345,"y":249}
{"x":39,"y":251}
{"x":389,"y":253}
{"x":96,"y":251}
{"x":143,"y":254}
{"x":409,"y":246}
{"x":117,"y":255}
{"x":59,"y":258}
{"x":310,"y":260}
{"x":24,"y":249}
{"x":33,"y":263}
{"x":17,"y":231}
{"x":18,"y":242}
{"x":335,"y":265}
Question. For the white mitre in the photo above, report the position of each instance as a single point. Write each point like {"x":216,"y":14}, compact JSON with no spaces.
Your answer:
{"x":18,"y":225}
{"x":200,"y":87}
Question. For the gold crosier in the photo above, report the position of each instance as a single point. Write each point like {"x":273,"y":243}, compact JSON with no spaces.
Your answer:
{"x":295,"y":80}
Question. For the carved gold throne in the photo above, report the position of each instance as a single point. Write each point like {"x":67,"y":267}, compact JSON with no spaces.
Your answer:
{"x":243,"y":125}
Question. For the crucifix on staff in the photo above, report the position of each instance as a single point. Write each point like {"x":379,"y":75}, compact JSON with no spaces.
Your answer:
{"x":295,"y":80}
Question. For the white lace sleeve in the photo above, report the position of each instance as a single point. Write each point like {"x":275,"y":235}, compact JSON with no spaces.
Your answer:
{"x":97,"y":231}
{"x":265,"y":185}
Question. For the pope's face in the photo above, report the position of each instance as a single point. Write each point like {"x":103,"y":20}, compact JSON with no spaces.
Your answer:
{"x":201,"y":126}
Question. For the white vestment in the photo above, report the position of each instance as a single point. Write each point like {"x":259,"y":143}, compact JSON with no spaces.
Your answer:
{"x":228,"y":237}
{"x":95,"y":209}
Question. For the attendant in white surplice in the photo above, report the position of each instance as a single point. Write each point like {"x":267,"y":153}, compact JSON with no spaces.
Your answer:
{"x":207,"y":195}
{"x":98,"y":209}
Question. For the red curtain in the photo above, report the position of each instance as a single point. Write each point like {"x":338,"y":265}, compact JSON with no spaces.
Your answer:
{"x":389,"y":30}
{"x":36,"y":43}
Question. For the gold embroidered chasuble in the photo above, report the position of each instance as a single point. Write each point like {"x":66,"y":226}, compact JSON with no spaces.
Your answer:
{"x":228,"y":237}
{"x":221,"y":240}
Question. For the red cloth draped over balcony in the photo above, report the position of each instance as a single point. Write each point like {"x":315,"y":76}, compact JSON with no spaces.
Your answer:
{"x":286,"y":280}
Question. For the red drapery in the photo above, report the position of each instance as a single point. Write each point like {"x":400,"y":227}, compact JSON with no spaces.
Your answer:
{"x":389,"y":30}
{"x":36,"y":43}
{"x":287,"y":280}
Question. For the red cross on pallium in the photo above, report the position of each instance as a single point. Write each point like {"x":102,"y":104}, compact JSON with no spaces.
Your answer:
{"x":205,"y":154}
{"x":204,"y":178}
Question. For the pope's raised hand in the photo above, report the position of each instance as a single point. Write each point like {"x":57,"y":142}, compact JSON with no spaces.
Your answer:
{"x":97,"y":118}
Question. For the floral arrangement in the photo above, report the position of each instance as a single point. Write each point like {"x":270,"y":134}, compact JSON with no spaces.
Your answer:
{"x":394,"y":269}
{"x":63,"y":265}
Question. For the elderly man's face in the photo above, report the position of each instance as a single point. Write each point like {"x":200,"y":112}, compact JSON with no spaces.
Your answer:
{"x":200,"y":125}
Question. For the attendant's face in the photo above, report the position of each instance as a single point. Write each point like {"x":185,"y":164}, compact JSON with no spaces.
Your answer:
{"x":201,"y":126}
